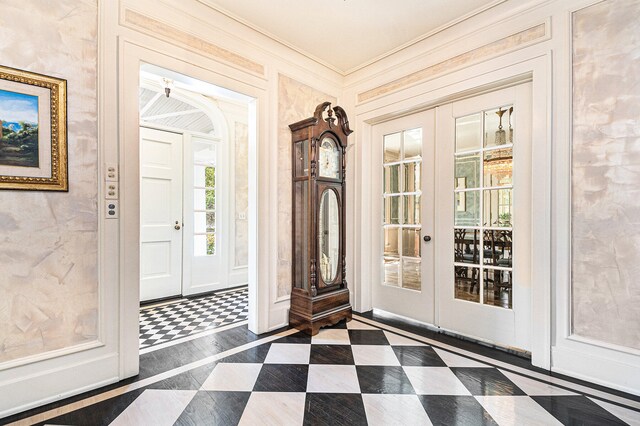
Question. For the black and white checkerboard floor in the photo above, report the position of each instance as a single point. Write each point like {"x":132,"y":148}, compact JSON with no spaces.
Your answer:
{"x":357,"y":373}
{"x":186,"y":317}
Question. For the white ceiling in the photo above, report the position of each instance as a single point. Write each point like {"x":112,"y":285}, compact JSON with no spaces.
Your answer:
{"x":348,"y":34}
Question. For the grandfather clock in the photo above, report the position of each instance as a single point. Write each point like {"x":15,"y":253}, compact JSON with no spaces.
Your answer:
{"x":320,"y":296}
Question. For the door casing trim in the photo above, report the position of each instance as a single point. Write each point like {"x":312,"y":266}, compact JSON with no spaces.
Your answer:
{"x":481,"y":78}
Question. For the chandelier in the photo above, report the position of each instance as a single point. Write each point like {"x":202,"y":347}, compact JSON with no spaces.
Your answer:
{"x":500,"y":161}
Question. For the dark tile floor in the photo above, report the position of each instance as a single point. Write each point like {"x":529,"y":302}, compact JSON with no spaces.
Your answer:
{"x":170,"y":321}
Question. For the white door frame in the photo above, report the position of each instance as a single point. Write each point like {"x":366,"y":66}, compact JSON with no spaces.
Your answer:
{"x":480,"y":78}
{"x":224,"y":218}
{"x":131,"y":56}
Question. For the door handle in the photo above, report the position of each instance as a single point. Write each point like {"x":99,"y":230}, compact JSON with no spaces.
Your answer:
{"x":426,"y":238}
{"x":177,"y":226}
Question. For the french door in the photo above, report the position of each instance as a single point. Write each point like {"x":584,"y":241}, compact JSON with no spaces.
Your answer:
{"x":484,"y":220}
{"x":181,"y":237}
{"x":472,"y":201}
{"x":405,"y":219}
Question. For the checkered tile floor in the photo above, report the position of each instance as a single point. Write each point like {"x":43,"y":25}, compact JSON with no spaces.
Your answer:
{"x":168,"y":322}
{"x":356,"y":374}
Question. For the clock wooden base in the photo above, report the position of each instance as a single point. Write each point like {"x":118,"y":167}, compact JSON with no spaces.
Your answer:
{"x":310,"y":313}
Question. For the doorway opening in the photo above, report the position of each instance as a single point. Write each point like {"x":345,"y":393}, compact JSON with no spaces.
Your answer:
{"x":194,"y":202}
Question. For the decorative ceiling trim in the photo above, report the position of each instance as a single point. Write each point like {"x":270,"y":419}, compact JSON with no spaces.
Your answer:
{"x":498,"y":47}
{"x":254,"y":27}
{"x":176,"y":36}
{"x":211,"y":4}
{"x":431,"y":33}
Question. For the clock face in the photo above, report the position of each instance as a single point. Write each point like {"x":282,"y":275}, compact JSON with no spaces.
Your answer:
{"x":329,"y":159}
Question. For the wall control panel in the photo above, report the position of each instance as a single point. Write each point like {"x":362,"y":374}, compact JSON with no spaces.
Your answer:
{"x":111,"y":191}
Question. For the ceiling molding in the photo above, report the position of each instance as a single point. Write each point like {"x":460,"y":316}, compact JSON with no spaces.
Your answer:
{"x":428,"y":34}
{"x":211,"y":4}
{"x":139,"y":21}
{"x":526,"y":37}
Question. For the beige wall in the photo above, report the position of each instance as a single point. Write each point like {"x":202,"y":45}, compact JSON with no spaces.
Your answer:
{"x":606,"y":173}
{"x":48,"y":241}
{"x":296,"y":101}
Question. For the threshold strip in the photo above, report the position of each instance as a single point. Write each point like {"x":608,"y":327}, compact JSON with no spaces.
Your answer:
{"x":159,"y":304}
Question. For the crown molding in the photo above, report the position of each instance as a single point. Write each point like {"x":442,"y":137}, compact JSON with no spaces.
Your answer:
{"x":211,"y":4}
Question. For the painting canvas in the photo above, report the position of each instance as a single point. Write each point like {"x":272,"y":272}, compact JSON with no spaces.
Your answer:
{"x":18,"y":129}
{"x":33,"y":131}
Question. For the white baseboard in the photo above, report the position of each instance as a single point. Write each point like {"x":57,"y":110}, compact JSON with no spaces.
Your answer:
{"x":238,"y":276}
{"x":613,"y":370}
{"x":279,"y":314}
{"x":208,"y":288}
{"x":30,"y":391}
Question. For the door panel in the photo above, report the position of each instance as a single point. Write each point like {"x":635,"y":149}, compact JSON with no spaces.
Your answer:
{"x":205,"y":215}
{"x":484,"y":215}
{"x":403,"y":175}
{"x":161,"y":214}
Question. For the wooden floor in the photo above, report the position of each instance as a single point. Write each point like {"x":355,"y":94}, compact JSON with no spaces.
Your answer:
{"x":371,"y":370}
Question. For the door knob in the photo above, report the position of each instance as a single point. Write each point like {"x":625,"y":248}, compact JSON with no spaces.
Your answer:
{"x":177,"y":226}
{"x":426,"y":238}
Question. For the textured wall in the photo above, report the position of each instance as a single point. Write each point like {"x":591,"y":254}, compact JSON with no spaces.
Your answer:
{"x":48,"y":241}
{"x":241,"y":193}
{"x":296,"y":102}
{"x":606,"y":172}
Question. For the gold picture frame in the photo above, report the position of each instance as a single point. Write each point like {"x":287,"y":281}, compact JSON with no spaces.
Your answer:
{"x":33,"y":131}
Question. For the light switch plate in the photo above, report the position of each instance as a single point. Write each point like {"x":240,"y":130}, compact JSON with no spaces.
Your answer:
{"x":112,"y":209}
{"x":111,"y":172}
{"x":111,"y":190}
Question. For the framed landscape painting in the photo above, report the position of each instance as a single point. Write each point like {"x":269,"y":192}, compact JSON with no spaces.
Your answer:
{"x":33,"y":131}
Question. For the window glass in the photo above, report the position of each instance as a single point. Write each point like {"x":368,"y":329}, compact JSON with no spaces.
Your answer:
{"x":204,"y":198}
{"x":402,"y":189}
{"x":483,"y":211}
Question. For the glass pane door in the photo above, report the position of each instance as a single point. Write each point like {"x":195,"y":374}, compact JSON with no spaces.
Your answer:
{"x":402,"y":191}
{"x":483,"y":260}
{"x":483,"y":207}
{"x":204,"y":197}
{"x":402,"y":214}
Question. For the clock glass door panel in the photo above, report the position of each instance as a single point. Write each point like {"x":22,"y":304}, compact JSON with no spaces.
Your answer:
{"x":329,"y":236}
{"x":329,"y":159}
{"x":301,"y":158}
{"x":301,"y":234}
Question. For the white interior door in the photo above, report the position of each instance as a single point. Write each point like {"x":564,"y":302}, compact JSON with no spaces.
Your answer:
{"x":205,"y":210}
{"x":484,"y":217}
{"x":404,"y":177}
{"x":160,"y":214}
